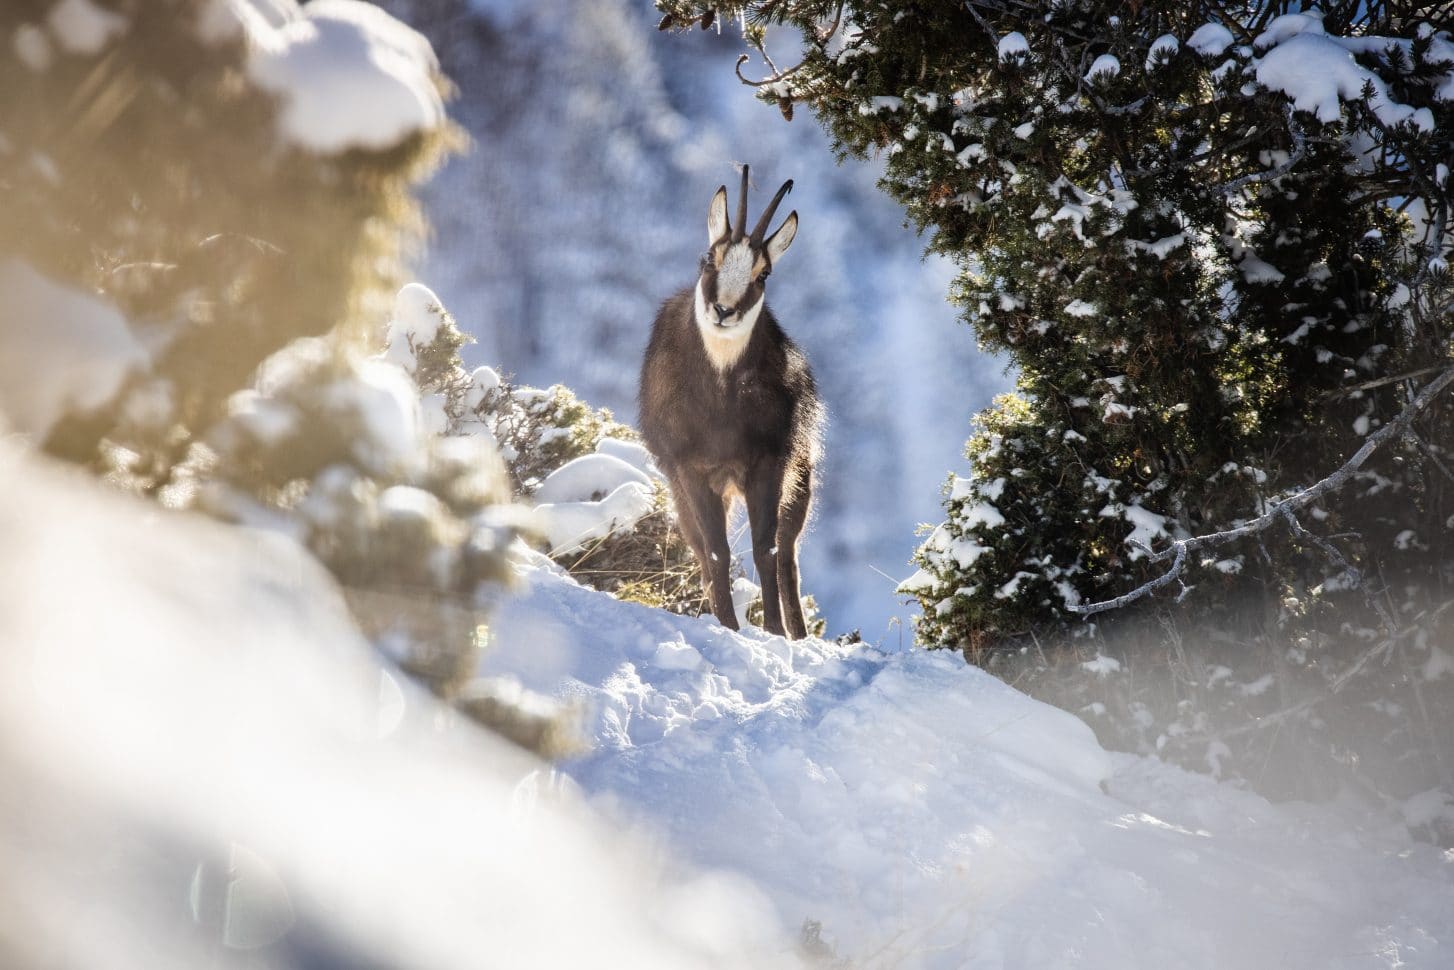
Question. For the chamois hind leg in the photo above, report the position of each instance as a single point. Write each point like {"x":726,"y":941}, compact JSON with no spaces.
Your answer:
{"x":704,"y":524}
{"x":799,"y":495}
{"x":764,"y":492}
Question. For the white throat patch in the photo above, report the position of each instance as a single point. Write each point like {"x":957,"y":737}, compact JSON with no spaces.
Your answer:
{"x":724,"y":344}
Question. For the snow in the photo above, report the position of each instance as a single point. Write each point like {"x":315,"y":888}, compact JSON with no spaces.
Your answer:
{"x":1210,"y":40}
{"x":81,"y":27}
{"x":1165,"y":46}
{"x":1287,"y":26}
{"x":878,"y":103}
{"x":928,"y":816}
{"x":981,"y":513}
{"x":571,"y":526}
{"x":588,"y":478}
{"x":632,"y":453}
{"x":418,"y":315}
{"x":182,"y":702}
{"x":1315,"y":71}
{"x":1254,"y":269}
{"x":1160,"y":248}
{"x":64,"y":351}
{"x":350,"y":75}
{"x":1146,"y":527}
{"x":1013,"y":44}
{"x":32,"y":46}
{"x":1428,"y":807}
{"x":1105,"y":66}
{"x":734,"y":786}
{"x":266,"y":421}
{"x":1080,"y":308}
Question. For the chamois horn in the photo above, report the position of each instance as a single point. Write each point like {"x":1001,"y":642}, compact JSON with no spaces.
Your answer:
{"x":740,"y":226}
{"x":769,"y":212}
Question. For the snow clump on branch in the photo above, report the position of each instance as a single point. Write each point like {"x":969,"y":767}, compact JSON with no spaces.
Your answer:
{"x":349,"y":74}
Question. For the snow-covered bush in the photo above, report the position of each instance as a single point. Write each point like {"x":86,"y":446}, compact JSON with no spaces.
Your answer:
{"x":602,"y":508}
{"x":228,"y":175}
{"x":344,"y":453}
{"x":208,"y":201}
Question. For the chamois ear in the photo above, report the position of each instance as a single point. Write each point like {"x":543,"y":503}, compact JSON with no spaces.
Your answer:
{"x":717,"y":227}
{"x":778,"y":242}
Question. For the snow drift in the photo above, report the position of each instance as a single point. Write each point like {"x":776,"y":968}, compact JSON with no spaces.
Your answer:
{"x":204,"y":767}
{"x":928,"y":815}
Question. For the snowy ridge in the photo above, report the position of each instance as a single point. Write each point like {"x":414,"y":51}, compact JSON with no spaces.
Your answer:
{"x":928,"y":815}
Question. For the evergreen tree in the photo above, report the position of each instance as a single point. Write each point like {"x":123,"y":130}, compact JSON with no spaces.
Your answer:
{"x":1200,"y":260}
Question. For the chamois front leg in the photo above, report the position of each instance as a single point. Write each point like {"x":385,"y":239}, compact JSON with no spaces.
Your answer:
{"x":705,"y":526}
{"x":764,"y":492}
{"x":799,"y":489}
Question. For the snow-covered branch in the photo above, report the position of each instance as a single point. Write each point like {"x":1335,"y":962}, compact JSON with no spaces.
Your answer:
{"x":1299,"y":149}
{"x":1281,"y":510}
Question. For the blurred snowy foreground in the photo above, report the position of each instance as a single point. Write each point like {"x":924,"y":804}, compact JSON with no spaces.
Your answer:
{"x":204,"y":762}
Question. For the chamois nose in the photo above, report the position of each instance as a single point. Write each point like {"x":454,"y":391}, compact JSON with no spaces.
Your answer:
{"x":722,"y":312}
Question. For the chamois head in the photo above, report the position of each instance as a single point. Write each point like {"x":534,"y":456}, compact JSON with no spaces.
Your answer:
{"x":729,"y":293}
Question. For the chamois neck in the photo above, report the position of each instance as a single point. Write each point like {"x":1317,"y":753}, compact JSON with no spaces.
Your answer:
{"x":724,"y":345}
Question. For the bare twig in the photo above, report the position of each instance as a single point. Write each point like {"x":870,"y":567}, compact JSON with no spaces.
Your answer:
{"x":1090,"y":609}
{"x":1299,"y":149}
{"x":1280,"y":510}
{"x":1354,"y":574}
{"x":820,"y":38}
{"x":1428,"y":451}
{"x":1380,"y":382}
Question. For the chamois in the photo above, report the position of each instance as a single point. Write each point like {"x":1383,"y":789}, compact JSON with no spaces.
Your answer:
{"x":729,"y":410}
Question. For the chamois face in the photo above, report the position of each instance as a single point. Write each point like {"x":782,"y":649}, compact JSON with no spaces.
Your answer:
{"x":730,"y":291}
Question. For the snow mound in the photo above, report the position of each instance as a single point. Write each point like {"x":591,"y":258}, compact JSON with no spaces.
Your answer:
{"x":1104,"y":67}
{"x":1162,"y":48}
{"x":1210,"y":40}
{"x":1013,"y":44}
{"x":571,"y":526}
{"x":929,"y":816}
{"x":81,"y":27}
{"x":1315,"y":71}
{"x":589,"y":478}
{"x":633,"y":453}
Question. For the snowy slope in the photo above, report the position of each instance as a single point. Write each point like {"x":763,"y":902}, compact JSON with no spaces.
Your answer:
{"x":930,"y":816}
{"x":204,"y":765}
{"x":202,"y":760}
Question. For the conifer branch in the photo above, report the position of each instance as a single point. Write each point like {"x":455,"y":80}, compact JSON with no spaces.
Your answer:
{"x":1281,"y":510}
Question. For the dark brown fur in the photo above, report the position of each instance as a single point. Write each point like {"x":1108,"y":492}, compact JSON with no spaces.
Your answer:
{"x":752,"y":431}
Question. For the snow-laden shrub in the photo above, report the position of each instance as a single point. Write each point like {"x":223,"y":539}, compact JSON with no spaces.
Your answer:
{"x":602,"y":509}
{"x":227,"y":175}
{"x":344,"y":452}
